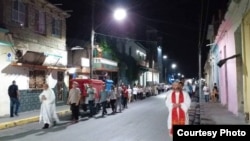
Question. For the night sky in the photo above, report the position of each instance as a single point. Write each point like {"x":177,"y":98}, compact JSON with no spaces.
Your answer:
{"x":178,"y":23}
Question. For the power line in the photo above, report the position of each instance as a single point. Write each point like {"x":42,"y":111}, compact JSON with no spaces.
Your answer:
{"x":166,"y":22}
{"x":112,"y":36}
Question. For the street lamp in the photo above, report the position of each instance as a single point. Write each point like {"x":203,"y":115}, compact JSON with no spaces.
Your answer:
{"x":119,"y":14}
{"x":165,"y":67}
{"x":173,"y":66}
{"x":165,"y":56}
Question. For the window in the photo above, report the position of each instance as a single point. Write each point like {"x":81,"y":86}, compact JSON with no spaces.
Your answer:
{"x":36,"y":79}
{"x":56,"y":27}
{"x":39,"y":22}
{"x":19,"y":12}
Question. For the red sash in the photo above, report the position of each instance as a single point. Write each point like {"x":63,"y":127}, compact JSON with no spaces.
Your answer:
{"x":177,"y":119}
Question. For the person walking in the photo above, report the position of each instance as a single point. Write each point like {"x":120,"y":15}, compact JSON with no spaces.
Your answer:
{"x":74,"y":101}
{"x":48,"y":113}
{"x":134,"y":91}
{"x":129,"y":94}
{"x":178,"y":102}
{"x":91,"y":100}
{"x":14,"y":99}
{"x":112,"y":97}
{"x":119,"y":99}
{"x":103,"y":100}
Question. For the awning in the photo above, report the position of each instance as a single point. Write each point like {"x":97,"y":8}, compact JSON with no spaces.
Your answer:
{"x":52,"y":60}
{"x":39,"y":60}
{"x":32,"y":58}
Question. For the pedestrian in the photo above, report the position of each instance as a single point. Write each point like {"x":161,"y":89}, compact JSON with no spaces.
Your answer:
{"x":134,"y":91}
{"x":119,"y":99}
{"x":178,"y":103}
{"x":129,"y":94}
{"x":206,"y":92}
{"x":14,"y":98}
{"x":74,"y":101}
{"x":91,"y":98}
{"x":48,"y":113}
{"x":103,"y":100}
{"x":216,"y":91}
{"x":125,"y":97}
{"x":112,"y":98}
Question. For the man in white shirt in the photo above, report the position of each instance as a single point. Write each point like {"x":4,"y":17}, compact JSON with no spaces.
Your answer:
{"x":206,"y":92}
{"x":135,"y":91}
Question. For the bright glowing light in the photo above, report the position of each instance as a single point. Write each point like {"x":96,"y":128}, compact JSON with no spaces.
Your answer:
{"x":120,"y":14}
{"x":165,"y":56}
{"x":173,"y":66}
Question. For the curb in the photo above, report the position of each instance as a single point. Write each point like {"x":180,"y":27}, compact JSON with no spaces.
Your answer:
{"x":24,"y":121}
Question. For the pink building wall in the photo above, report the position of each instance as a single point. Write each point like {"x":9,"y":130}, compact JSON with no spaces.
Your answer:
{"x":227,"y":73}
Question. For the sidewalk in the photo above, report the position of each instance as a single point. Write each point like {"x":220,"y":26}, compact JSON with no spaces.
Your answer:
{"x":211,"y":114}
{"x":29,"y":117}
{"x":215,"y":113}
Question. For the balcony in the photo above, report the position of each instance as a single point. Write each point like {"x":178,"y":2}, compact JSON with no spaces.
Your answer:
{"x":102,"y":64}
{"x":142,"y":63}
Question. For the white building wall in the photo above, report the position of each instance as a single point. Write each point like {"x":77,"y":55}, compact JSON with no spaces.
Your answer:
{"x":149,"y":76}
{"x":135,"y":48}
{"x":225,"y":38}
{"x":20,"y":75}
{"x":156,"y":77}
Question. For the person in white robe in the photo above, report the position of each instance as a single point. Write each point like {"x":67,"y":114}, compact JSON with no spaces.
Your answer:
{"x":177,"y":102}
{"x":48,"y":113}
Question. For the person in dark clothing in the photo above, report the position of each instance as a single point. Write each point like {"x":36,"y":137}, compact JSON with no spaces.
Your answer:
{"x":14,"y":99}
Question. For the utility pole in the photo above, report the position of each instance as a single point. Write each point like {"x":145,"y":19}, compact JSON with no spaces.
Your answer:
{"x":199,"y":53}
{"x":92,"y":42}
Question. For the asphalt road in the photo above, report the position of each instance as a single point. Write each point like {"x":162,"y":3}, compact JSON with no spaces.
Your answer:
{"x":144,"y":120}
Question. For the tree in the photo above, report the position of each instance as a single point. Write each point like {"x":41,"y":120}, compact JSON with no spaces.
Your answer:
{"x":107,"y":51}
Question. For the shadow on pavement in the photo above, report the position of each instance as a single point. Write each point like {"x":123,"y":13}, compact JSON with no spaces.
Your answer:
{"x":58,"y":127}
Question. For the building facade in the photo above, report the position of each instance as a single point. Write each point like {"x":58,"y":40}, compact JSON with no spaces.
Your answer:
{"x":226,"y":57}
{"x":33,"y":51}
{"x":246,"y":63}
{"x":104,"y":66}
{"x":137,"y":64}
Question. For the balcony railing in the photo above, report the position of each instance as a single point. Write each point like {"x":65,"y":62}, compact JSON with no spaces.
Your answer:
{"x":104,"y":64}
{"x":143,"y":63}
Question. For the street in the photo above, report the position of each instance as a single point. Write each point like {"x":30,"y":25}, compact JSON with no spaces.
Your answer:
{"x":144,"y":120}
